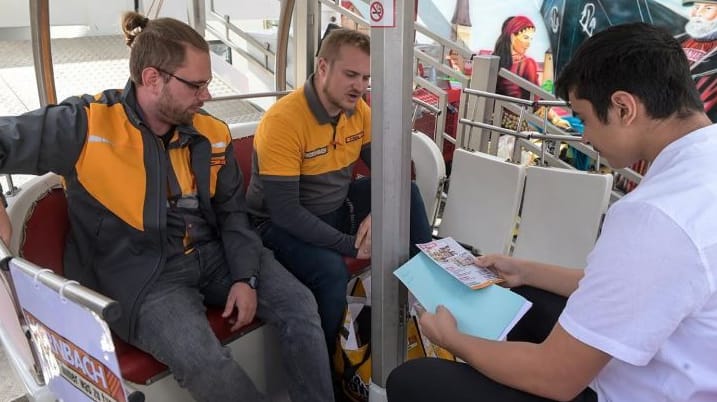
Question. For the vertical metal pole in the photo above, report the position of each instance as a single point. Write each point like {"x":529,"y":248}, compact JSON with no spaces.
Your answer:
{"x":391,"y":105}
{"x":313,"y":30}
{"x":198,"y":16}
{"x":306,"y":33}
{"x":484,"y":78}
{"x":42,"y":51}
{"x":282,"y":43}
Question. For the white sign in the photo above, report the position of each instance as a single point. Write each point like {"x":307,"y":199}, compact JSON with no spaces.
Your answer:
{"x":74,"y":344}
{"x":382,"y":13}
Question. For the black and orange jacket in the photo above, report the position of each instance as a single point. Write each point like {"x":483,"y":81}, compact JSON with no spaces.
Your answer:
{"x":303,"y":165}
{"x":115,"y":171}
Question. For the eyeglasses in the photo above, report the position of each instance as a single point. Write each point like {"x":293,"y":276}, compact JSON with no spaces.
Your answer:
{"x":197,"y":86}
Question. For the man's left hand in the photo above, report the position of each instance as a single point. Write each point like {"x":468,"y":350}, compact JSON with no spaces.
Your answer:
{"x":439,"y":327}
{"x":243,"y":297}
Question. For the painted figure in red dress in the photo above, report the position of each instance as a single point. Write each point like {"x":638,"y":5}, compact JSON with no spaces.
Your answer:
{"x":512,"y":45}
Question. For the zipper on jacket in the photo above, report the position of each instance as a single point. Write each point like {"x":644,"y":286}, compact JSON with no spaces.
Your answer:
{"x":333,"y":138}
{"x":158,"y":150}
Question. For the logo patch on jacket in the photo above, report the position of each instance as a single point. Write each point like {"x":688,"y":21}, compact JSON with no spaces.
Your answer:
{"x":354,"y":137}
{"x":217,"y":161}
{"x":316,"y":152}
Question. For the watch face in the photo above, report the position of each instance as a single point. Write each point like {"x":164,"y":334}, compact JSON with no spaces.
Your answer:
{"x":252,"y":282}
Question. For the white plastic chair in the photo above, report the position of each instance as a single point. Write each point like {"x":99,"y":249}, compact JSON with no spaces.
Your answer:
{"x":561,"y":216}
{"x":430,"y":172}
{"x":482,"y":202}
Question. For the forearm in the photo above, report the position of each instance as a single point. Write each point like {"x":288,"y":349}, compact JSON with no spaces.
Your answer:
{"x":301,"y":223}
{"x":520,"y":365}
{"x":286,"y":212}
{"x":556,"y":279}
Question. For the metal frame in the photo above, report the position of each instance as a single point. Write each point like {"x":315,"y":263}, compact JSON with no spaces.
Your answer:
{"x":390,"y":187}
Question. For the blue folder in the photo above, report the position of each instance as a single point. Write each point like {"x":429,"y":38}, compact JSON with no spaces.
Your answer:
{"x":487,"y":313}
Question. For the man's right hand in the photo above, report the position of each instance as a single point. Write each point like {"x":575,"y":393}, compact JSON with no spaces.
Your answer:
{"x":509,"y":268}
{"x":242,"y":298}
{"x":363,"y":239}
{"x":363,"y":253}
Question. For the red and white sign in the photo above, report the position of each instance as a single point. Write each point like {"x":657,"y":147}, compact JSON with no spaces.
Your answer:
{"x":382,"y":13}
{"x":74,"y":344}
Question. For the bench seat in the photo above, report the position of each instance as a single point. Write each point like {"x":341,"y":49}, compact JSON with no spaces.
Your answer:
{"x":43,"y":243}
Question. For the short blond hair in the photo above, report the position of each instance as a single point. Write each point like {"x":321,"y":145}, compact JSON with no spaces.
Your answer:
{"x":332,"y":43}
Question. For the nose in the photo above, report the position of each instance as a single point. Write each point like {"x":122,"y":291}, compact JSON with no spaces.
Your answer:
{"x":361,"y":84}
{"x":204,"y":95}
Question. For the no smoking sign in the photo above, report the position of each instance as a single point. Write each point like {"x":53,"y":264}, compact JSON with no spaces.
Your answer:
{"x":382,"y":13}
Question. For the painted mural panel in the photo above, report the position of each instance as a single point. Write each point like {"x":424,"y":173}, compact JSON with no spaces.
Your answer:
{"x":560,"y":26}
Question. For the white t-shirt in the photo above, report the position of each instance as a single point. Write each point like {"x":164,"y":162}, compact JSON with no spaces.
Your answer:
{"x":649,"y":294}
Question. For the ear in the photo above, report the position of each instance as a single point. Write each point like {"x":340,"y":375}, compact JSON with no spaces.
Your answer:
{"x":152,"y":79}
{"x":626,"y":106}
{"x":322,"y":66}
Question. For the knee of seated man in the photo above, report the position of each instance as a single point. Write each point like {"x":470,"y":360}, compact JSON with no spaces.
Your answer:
{"x":336,"y":273}
{"x":200,"y":356}
{"x":300,"y":299}
{"x":323,"y":267}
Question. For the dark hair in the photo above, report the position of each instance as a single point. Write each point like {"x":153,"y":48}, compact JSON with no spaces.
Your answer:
{"x":511,"y":26}
{"x":637,"y":58}
{"x":332,"y":43}
{"x":157,"y":43}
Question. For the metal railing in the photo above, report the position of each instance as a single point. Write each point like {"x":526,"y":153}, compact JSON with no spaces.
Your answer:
{"x":103,"y":306}
{"x":252,"y":95}
{"x":545,"y":131}
{"x":230,"y":28}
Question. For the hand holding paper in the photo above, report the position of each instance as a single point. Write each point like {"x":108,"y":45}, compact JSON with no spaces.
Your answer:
{"x":440,"y":326}
{"x":507,"y":267}
{"x":489,"y":313}
{"x":458,"y":262}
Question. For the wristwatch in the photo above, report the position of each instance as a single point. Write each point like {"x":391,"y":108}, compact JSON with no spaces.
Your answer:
{"x":252,"y":281}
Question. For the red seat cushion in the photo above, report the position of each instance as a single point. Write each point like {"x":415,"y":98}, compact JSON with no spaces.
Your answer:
{"x":243,"y":148}
{"x":45,"y":232}
{"x":135,"y":365}
{"x":356,"y":266}
{"x":141,"y":368}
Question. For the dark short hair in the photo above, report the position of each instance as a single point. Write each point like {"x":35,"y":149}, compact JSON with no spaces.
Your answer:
{"x":160,"y":43}
{"x":332,"y":43}
{"x":637,"y":58}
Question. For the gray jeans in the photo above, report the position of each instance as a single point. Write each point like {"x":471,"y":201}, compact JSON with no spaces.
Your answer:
{"x":172,"y":327}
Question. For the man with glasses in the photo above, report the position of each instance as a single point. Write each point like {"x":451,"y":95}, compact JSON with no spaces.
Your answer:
{"x":197,"y":86}
{"x":158,"y":219}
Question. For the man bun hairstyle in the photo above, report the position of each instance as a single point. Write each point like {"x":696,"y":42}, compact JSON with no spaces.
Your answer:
{"x":159,"y":43}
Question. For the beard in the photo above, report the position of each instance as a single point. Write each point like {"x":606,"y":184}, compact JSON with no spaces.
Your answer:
{"x":171,"y":112}
{"x":701,"y":29}
{"x":337,"y":101}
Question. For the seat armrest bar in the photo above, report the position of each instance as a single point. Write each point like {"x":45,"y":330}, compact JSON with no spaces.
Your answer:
{"x":5,"y":254}
{"x":105,"y":307}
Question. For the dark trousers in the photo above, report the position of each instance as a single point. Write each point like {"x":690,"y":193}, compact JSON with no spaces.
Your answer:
{"x":431,"y":379}
{"x":323,"y":270}
{"x":172,"y":326}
